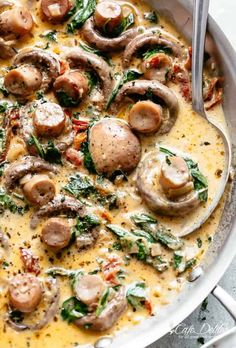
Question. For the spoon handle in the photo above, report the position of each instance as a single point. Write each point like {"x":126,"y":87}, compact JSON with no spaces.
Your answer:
{"x":200,"y":15}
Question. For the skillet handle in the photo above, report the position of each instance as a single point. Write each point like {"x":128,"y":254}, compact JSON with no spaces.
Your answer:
{"x":228,"y":338}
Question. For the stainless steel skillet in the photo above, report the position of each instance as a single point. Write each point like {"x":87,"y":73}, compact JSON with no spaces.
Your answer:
{"x":223,"y":247}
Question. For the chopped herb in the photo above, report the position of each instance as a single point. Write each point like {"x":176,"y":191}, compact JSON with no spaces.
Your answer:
{"x":190,"y":263}
{"x":102,"y":302}
{"x":2,"y":165}
{"x":129,"y":75}
{"x":85,"y":224}
{"x":117,"y":246}
{"x":160,"y":265}
{"x":50,"y":35}
{"x":5,"y":264}
{"x":73,"y":309}
{"x":204,"y":304}
{"x":3,"y":89}
{"x":40,"y":96}
{"x":2,"y":140}
{"x":136,"y":294}
{"x":199,"y":242}
{"x":82,"y":11}
{"x":142,"y":251}
{"x":3,"y":106}
{"x":7,"y":203}
{"x":151,"y":17}
{"x":177,"y":260}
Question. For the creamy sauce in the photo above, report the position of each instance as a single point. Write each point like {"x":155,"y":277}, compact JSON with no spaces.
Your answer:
{"x":189,"y":134}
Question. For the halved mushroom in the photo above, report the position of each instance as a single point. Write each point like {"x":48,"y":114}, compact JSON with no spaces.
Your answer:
{"x":71,"y":88}
{"x":166,"y":184}
{"x":143,"y":87}
{"x":153,"y":37}
{"x":104,"y":43}
{"x":79,"y":58}
{"x":113,"y":146}
{"x":116,"y":305}
{"x":6,"y":49}
{"x":108,"y":16}
{"x":47,"y":62}
{"x":15,"y":23}
{"x":158,"y":66}
{"x":19,"y":169}
{"x":25,"y":292}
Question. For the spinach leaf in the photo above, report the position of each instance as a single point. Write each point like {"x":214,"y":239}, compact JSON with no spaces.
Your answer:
{"x":93,"y":80}
{"x":143,"y":251}
{"x":143,"y":234}
{"x":151,"y":17}
{"x":52,"y":154}
{"x":7,"y":203}
{"x":157,"y":49}
{"x":160,"y":264}
{"x":136,"y":294}
{"x":16,"y":316}
{"x":85,"y":224}
{"x":120,"y":232}
{"x":166,"y":151}
{"x":84,"y":10}
{"x":3,"y":106}
{"x":60,"y":271}
{"x":3,"y":89}
{"x":143,"y":221}
{"x":199,"y":180}
{"x":168,"y":239}
{"x":88,"y":161}
{"x":125,"y":24}
{"x":79,"y":186}
{"x":128,"y":75}
{"x":190,"y":263}
{"x":73,"y":309}
{"x":178,"y":258}
{"x":93,"y":50}
{"x":103,"y":302}
{"x":50,"y":35}
{"x":2,"y":140}
{"x":65,"y":100}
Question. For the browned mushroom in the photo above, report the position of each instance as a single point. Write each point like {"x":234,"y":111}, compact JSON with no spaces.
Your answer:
{"x":166,"y":184}
{"x":113,"y":146}
{"x":70,"y":88}
{"x":108,"y":44}
{"x":79,"y":58}
{"x":142,"y":87}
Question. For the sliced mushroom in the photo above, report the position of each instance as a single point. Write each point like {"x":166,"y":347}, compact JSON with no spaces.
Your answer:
{"x":149,"y":38}
{"x":29,"y":164}
{"x":39,"y":190}
{"x":23,"y":81}
{"x":113,"y":146}
{"x":47,"y":62}
{"x":142,"y":87}
{"x":145,"y":117}
{"x":15,"y":23}
{"x":59,"y":204}
{"x":89,"y":289}
{"x":111,"y":313}
{"x":108,"y":16}
{"x":51,"y":295}
{"x":56,"y":233}
{"x":25,"y":292}
{"x":79,"y":58}
{"x":108,"y":44}
{"x":49,"y":120}
{"x":55,"y":11}
{"x":70,"y":88}
{"x":166,"y":188}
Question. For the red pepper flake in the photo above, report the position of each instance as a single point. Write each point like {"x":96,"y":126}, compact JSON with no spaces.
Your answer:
{"x":79,"y":125}
{"x":74,"y":157}
{"x":149,"y":307}
{"x":111,"y":268}
{"x":63,"y":67}
{"x":31,"y":262}
{"x":154,"y":62}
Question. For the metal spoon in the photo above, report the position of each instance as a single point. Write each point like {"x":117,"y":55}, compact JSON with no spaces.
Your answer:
{"x":200,"y":16}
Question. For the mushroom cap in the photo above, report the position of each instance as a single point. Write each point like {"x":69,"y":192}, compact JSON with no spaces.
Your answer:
{"x":152,"y":193}
{"x":113,"y":146}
